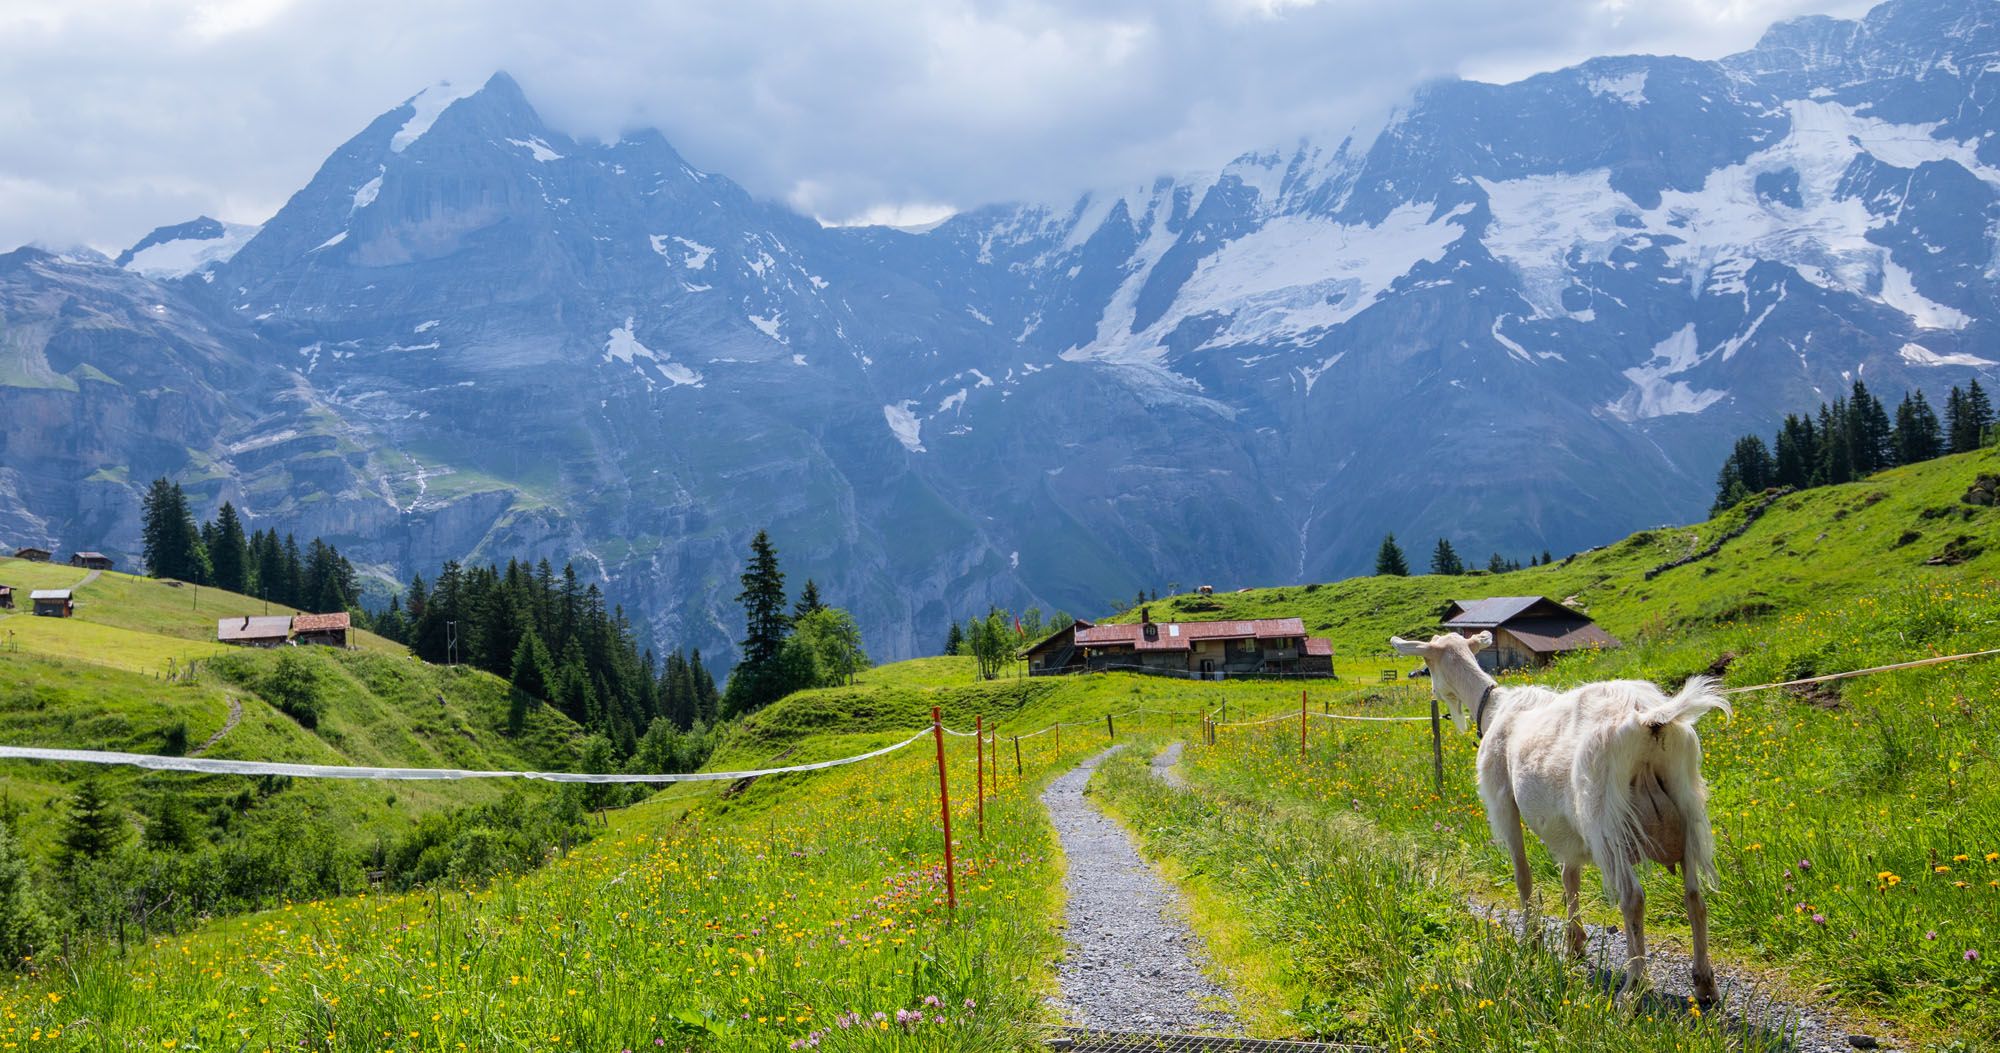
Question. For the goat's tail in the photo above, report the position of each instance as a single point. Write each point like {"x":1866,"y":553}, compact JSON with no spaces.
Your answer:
{"x":1656,"y":746}
{"x":1696,"y":699}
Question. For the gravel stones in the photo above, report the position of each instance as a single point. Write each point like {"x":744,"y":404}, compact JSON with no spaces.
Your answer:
{"x":1132,"y":960}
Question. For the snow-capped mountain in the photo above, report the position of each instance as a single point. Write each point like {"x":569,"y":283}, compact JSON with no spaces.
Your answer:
{"x":1523,"y":316}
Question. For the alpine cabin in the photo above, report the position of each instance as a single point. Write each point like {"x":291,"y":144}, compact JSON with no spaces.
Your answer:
{"x":1528,"y":631}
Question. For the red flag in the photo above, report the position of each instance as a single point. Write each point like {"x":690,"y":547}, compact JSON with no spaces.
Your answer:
{"x":1018,"y":631}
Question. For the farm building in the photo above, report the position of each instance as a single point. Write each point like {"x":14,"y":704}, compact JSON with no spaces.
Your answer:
{"x":33,"y":555}
{"x":1199,"y":650}
{"x":252,"y":631}
{"x":328,"y":629}
{"x":52,"y":603}
{"x":90,"y":560}
{"x":6,"y":597}
{"x":1528,"y":631}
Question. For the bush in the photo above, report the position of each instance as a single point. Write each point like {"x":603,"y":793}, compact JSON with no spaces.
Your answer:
{"x":293,"y":686}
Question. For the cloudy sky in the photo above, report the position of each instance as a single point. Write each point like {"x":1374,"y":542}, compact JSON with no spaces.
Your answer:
{"x":120,"y":115}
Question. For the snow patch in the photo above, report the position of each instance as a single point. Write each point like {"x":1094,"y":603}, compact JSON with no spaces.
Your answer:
{"x":694,"y":259}
{"x":428,"y":104}
{"x":425,"y":327}
{"x":904,"y":425}
{"x":538,"y":149}
{"x":184,"y":256}
{"x":1899,"y":290}
{"x":365,"y":195}
{"x":625,"y":347}
{"x":769,"y":326}
{"x":1653,"y":393}
{"x":331,"y":242}
{"x":1629,"y":89}
{"x":1919,"y":355}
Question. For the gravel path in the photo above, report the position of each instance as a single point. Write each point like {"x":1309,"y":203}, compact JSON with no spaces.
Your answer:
{"x":1671,"y":973}
{"x":1131,"y":962}
{"x":1163,"y":765}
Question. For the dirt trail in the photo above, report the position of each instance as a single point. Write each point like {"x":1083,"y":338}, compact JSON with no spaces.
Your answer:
{"x":229,"y":725}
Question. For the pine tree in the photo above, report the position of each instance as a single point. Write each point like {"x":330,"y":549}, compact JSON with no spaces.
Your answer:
{"x":954,"y":641}
{"x":1389,"y":559}
{"x":1496,"y":564}
{"x":763,"y":600}
{"x":1546,"y":558}
{"x":171,"y":540}
{"x":1797,"y":453}
{"x":92,"y":828}
{"x":23,"y":925}
{"x":1917,"y":436}
{"x":531,"y":667}
{"x":171,"y":826}
{"x":230,"y":552}
{"x":1444,"y":559}
{"x":809,"y":601}
{"x":1979,"y":410}
{"x":1958,"y":430}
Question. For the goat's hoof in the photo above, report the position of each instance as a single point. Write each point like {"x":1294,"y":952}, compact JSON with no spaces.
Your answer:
{"x":1705,"y":994}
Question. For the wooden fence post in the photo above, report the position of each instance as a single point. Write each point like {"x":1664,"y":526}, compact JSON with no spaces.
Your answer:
{"x":944,"y":805}
{"x":1437,"y":747}
{"x":1017,"y":756}
{"x":1110,"y":730}
{"x":979,"y":772}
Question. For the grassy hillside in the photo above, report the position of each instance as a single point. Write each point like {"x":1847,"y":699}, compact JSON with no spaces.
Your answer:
{"x":101,"y":680}
{"x":1811,"y":547}
{"x":1331,"y":887}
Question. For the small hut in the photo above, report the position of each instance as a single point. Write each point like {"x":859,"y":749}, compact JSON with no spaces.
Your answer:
{"x":32,"y":554}
{"x":90,"y":560}
{"x":327,"y":629}
{"x":6,"y":597}
{"x":253,"y":631}
{"x":1528,"y":631}
{"x":52,"y":603}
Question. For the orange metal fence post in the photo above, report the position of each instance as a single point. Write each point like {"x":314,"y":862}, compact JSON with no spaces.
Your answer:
{"x":979,"y":773}
{"x":1302,"y":725}
{"x":944,"y":805}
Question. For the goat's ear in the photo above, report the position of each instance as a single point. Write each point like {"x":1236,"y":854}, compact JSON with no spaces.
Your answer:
{"x":1409,"y":648}
{"x":1479,"y":641}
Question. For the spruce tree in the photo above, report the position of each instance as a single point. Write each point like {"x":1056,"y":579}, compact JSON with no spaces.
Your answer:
{"x":1546,"y":558}
{"x":1496,"y":564}
{"x":809,"y":601}
{"x":1979,"y":410}
{"x":92,"y":828}
{"x":531,"y":667}
{"x":954,"y":641}
{"x":230,"y":553}
{"x":23,"y":925}
{"x":1959,"y":434}
{"x":1444,"y":559}
{"x":1389,"y":559}
{"x":763,"y":600}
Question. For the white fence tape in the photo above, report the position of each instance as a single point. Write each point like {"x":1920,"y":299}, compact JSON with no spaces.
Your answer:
{"x":215,"y":766}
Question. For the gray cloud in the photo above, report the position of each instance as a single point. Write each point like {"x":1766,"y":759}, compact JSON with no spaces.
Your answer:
{"x":120,"y":115}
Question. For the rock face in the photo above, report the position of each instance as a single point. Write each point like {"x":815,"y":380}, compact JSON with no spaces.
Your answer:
{"x":1523,"y":316}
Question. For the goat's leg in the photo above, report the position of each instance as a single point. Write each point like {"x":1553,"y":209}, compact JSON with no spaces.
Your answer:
{"x":1633,"y":905}
{"x":1509,"y":825}
{"x":1572,"y":908}
{"x":1697,"y":908}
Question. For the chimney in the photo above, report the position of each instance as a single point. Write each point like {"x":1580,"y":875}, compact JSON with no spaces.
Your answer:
{"x":1145,"y":615}
{"x":246,"y":622}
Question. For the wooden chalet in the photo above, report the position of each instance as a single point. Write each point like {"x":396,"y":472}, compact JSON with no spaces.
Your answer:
{"x":1197,"y":650}
{"x":33,"y":555}
{"x":52,"y":603}
{"x":90,"y":560}
{"x":1528,"y":631}
{"x":327,"y":629}
{"x":6,"y":597}
{"x":254,"y":631}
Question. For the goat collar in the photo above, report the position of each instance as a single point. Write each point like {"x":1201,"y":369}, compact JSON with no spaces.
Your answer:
{"x":1479,"y":710}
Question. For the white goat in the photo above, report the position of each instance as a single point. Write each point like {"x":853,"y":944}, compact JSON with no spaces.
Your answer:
{"x":1609,"y":772}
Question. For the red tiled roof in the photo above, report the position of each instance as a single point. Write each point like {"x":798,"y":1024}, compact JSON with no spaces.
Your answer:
{"x":1175,"y":636}
{"x":319,"y":623}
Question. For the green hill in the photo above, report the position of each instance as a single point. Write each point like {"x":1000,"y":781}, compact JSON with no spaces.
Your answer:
{"x":1859,"y":845}
{"x":137,"y":670}
{"x":1813,"y":547}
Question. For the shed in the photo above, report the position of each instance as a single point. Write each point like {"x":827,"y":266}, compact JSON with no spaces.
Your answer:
{"x":90,"y":560}
{"x":254,"y":631}
{"x":32,"y":554}
{"x":328,"y":629}
{"x":1528,"y":631}
{"x":52,"y":603}
{"x":1057,"y":652}
{"x":6,"y":597}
